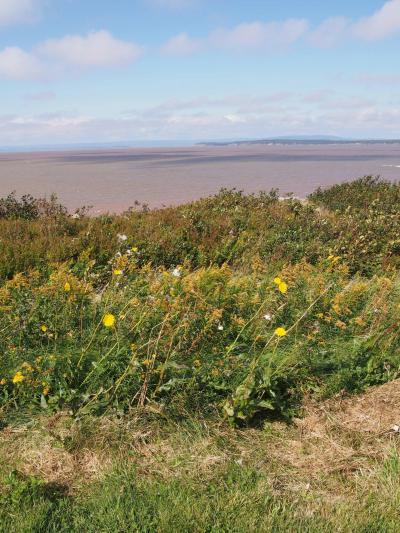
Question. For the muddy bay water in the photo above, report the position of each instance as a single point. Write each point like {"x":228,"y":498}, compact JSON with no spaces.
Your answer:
{"x":112,"y":179}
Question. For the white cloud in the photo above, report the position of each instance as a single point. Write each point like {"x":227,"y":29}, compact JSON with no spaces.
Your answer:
{"x":329,"y":32}
{"x":54,"y":58}
{"x":260,"y":35}
{"x":97,"y":49}
{"x":379,"y":79}
{"x":263,"y":36}
{"x":383,"y":23}
{"x":275,"y":36}
{"x":181,"y":45}
{"x":16,"y":64}
{"x":16,"y":11}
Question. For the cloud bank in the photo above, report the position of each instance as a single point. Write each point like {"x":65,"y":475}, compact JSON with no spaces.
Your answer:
{"x":18,"y":11}
{"x":74,"y":53}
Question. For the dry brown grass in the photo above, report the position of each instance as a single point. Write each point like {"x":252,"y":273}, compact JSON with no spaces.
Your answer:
{"x":336,"y":444}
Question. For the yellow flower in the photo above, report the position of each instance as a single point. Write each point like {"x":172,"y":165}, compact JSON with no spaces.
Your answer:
{"x":277,"y":281}
{"x":108,"y":320}
{"x":280,"y":332}
{"x":43,"y":327}
{"x":147,"y":362}
{"x":67,"y":287}
{"x":282,"y":287}
{"x":117,"y":272}
{"x":46,"y":391}
{"x":330,"y":257}
{"x":18,"y":378}
{"x":134,"y":249}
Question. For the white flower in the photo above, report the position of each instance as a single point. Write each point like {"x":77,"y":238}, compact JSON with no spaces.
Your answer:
{"x":267,"y":317}
{"x":220,"y":327}
{"x":75,"y":215}
{"x":121,"y":237}
{"x":177,"y":272}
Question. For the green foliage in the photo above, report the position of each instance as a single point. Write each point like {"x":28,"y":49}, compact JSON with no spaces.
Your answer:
{"x":194,"y":306}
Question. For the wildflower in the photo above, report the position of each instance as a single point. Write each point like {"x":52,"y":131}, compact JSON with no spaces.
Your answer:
{"x":117,"y":272}
{"x":280,"y":332}
{"x":18,"y":378}
{"x":75,"y":216}
{"x":134,"y":249}
{"x":267,"y":317}
{"x":43,"y":327}
{"x":121,"y":237}
{"x":46,"y":391}
{"x":197,"y":363}
{"x":147,"y":362}
{"x":108,"y":320}
{"x":282,"y":287}
{"x":177,"y":272}
{"x":220,"y":327}
{"x":277,"y":281}
{"x":330,"y":257}
{"x":67,"y":287}
{"x":3,"y":381}
{"x":359,"y":321}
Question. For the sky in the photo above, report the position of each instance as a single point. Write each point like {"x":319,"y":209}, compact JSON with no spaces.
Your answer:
{"x":76,"y":71}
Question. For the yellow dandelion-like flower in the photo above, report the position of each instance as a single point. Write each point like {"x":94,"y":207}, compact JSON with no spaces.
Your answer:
{"x":280,"y":332}
{"x":147,"y":362}
{"x":67,"y":287}
{"x":18,"y":378}
{"x":108,"y":320}
{"x":117,"y":272}
{"x":282,"y":287}
{"x":277,"y":281}
{"x":134,"y":249}
{"x":46,"y":391}
{"x":43,"y":328}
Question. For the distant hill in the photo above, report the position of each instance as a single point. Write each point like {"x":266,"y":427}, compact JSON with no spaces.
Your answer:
{"x":302,"y":139}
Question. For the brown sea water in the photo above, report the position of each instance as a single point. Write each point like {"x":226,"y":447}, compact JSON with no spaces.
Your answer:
{"x":111,"y":180}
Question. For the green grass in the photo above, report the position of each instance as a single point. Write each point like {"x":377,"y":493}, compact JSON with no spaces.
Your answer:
{"x":173,"y":494}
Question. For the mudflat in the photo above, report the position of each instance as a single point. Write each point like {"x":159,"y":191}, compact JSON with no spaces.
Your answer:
{"x":113,"y":179}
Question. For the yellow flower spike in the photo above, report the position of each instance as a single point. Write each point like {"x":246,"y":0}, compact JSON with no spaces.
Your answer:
{"x":108,"y":320}
{"x":282,"y":287}
{"x":67,"y":287}
{"x":277,"y":281}
{"x":18,"y":378}
{"x":117,"y":272}
{"x":280,"y":332}
{"x":43,"y":328}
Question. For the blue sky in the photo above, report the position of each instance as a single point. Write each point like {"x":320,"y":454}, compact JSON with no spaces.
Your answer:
{"x":126,"y":70}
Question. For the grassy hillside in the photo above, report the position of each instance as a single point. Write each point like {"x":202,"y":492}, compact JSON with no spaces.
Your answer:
{"x":201,"y":331}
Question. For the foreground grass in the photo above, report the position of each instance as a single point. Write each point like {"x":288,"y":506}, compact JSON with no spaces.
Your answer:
{"x":338,"y":468}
